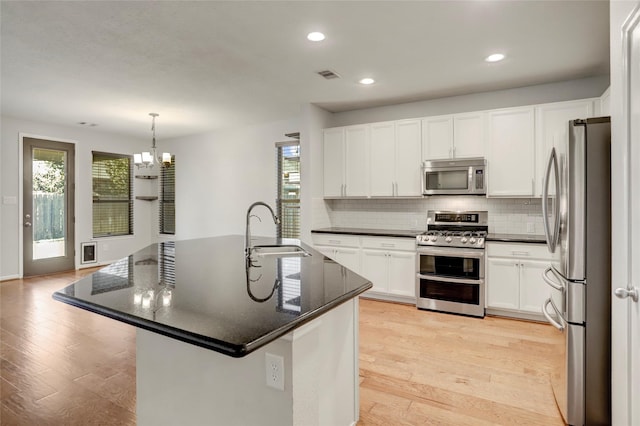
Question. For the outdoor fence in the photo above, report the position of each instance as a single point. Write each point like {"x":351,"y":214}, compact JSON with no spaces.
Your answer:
{"x":48,"y":216}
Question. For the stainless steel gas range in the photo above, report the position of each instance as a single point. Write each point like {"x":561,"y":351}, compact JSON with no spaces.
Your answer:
{"x":450,"y":276}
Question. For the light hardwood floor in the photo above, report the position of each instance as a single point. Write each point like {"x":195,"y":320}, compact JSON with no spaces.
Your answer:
{"x":60,"y":365}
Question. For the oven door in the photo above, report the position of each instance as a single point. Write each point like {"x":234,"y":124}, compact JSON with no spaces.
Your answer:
{"x":451,"y":280}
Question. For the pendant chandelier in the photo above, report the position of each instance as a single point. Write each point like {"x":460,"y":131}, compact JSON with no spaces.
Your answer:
{"x":149,"y":159}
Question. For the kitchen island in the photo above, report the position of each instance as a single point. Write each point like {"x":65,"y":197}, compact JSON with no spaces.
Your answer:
{"x":221,"y":340}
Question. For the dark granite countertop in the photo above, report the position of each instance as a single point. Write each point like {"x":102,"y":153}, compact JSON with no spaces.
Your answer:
{"x":202,"y":292}
{"x":369,"y":232}
{"x":517,"y":238}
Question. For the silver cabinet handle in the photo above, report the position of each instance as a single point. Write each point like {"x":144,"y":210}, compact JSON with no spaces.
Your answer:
{"x":520,"y":253}
{"x":454,"y":152}
{"x":335,"y":241}
{"x":27,"y":224}
{"x":623,"y":293}
{"x":546,"y":314}
{"x":388,"y":245}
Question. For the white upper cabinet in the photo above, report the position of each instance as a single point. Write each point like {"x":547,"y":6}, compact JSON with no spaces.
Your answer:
{"x":453,"y":136}
{"x":395,"y":158}
{"x":356,"y":141}
{"x":437,"y":137}
{"x":408,"y":149}
{"x":346,"y":161}
{"x":383,"y":157}
{"x":334,"y":156}
{"x":552,"y":128}
{"x":510,"y":159}
{"x":469,"y":135}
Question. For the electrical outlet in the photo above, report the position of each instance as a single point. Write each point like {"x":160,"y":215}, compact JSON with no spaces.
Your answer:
{"x":274,"y":365}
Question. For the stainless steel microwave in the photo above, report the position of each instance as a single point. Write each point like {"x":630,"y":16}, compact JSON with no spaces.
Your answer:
{"x":454,"y":177}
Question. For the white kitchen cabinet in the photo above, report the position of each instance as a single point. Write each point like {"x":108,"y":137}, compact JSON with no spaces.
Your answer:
{"x":395,"y":158}
{"x":437,"y":137}
{"x":454,"y":136}
{"x":510,"y":156}
{"x":334,"y":160}
{"x":469,"y":135}
{"x":390,"y":264}
{"x":552,"y":129}
{"x":514,"y":279}
{"x":344,"y":249}
{"x":356,"y":141}
{"x":346,"y":161}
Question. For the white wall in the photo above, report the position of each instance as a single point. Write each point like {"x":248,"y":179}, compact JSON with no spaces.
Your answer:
{"x":220,"y":174}
{"x":539,"y":94}
{"x":86,"y":140}
{"x":313,"y":212}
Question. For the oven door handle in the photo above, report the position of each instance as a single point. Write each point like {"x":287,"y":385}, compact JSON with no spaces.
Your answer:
{"x":449,"y":280}
{"x":472,"y":254}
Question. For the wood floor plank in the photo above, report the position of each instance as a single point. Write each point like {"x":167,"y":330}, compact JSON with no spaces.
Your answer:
{"x":62,"y":365}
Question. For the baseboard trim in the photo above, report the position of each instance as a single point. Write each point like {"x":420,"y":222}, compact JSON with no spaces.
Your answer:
{"x":10,"y":277}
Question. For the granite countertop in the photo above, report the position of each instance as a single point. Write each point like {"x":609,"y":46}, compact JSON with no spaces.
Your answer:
{"x":204,"y":293}
{"x":511,"y":238}
{"x":370,"y":232}
{"x":517,"y":238}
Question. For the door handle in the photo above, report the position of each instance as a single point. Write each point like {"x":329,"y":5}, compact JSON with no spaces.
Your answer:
{"x":546,"y":314}
{"x":27,"y":224}
{"x":550,"y":282}
{"x":623,"y":293}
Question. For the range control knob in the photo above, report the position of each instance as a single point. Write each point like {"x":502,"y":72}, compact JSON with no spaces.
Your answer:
{"x":448,"y":239}
{"x":434,"y":238}
{"x":463,"y":240}
{"x":480,"y":241}
{"x":472,"y":240}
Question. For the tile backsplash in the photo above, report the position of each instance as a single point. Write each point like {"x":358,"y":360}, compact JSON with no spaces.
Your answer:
{"x":506,"y":216}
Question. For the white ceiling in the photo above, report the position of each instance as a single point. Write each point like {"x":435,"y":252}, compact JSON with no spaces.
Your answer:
{"x":206,"y":65}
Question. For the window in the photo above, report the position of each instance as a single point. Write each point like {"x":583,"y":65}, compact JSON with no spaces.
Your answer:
{"x":288,"y":201}
{"x":168,"y":198}
{"x":112,"y":194}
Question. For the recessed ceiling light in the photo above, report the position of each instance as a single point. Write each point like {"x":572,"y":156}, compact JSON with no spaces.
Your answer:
{"x":495,"y":57}
{"x":315,"y":36}
{"x":367,"y":81}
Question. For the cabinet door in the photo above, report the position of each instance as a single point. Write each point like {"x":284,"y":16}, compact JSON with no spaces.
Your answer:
{"x":375,"y":268}
{"x":503,"y":282}
{"x":383,"y":141}
{"x":533,"y":290}
{"x":349,"y":258}
{"x":407,"y":156}
{"x":469,"y":135}
{"x":437,"y":137}
{"x":402,"y":273}
{"x":511,"y":153}
{"x":356,"y":142}
{"x":333,"y":147}
{"x":552,"y":130}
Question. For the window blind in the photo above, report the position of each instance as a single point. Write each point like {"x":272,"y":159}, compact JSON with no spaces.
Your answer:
{"x":168,"y":198}
{"x":112,"y":194}
{"x":288,"y":199}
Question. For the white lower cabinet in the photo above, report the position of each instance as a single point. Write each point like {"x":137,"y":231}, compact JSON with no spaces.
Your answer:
{"x":514,"y":279}
{"x":388,"y":262}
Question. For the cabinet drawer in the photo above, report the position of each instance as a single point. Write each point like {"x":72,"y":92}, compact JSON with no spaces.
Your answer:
{"x":521,"y":251}
{"x":336,"y":240}
{"x":404,"y":244}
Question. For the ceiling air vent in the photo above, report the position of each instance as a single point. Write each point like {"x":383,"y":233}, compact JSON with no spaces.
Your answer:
{"x":328,"y":74}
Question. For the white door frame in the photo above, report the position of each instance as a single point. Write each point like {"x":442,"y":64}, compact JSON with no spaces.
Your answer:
{"x":21,"y":137}
{"x":625,"y":367}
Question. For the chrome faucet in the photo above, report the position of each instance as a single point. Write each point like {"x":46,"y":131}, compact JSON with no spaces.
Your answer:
{"x":247,"y":232}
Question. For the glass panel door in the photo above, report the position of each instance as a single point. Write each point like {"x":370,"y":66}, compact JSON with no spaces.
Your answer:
{"x":48,"y":234}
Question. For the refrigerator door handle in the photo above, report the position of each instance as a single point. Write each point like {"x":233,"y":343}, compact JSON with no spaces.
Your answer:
{"x":550,"y":282}
{"x":546,"y":314}
{"x":552,"y":238}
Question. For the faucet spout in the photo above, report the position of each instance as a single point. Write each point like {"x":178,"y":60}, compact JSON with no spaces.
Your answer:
{"x":247,"y":232}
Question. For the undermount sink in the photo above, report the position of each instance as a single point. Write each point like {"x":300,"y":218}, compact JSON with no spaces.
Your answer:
{"x":287,"y":250}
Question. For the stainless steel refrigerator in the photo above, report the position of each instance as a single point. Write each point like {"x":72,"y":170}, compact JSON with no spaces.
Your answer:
{"x":577,"y":221}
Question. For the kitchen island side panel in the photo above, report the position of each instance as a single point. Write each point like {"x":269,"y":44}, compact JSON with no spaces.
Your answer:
{"x":179,"y":383}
